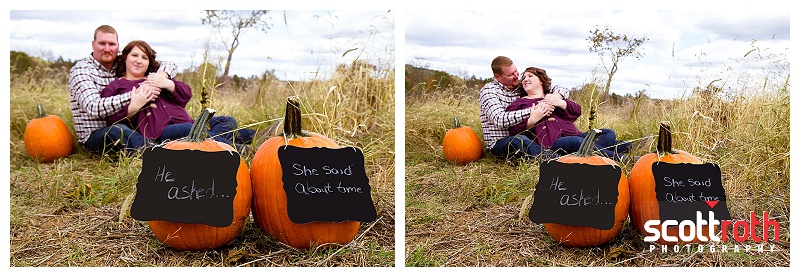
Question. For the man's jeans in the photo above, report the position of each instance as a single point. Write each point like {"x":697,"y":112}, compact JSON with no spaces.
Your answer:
{"x":220,"y":128}
{"x":117,"y":137}
{"x":607,"y":144}
{"x":120,"y":137}
{"x":516,"y":147}
{"x":521,"y":146}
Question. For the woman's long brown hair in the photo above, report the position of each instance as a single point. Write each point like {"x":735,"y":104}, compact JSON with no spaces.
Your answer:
{"x":153,"y":66}
{"x":542,"y":75}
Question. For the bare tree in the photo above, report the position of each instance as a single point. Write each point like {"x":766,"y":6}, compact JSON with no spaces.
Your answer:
{"x":238,"y":22}
{"x":612,"y":48}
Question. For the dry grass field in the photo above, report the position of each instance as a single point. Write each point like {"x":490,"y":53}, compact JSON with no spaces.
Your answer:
{"x":68,"y":213}
{"x":476,"y":214}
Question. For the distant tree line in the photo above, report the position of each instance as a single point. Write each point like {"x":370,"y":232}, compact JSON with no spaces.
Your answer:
{"x":423,"y":81}
{"x":205,"y":75}
{"x":21,"y":62}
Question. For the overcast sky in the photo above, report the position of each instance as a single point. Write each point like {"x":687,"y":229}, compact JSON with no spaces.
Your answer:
{"x":299,"y":44}
{"x":685,"y":48}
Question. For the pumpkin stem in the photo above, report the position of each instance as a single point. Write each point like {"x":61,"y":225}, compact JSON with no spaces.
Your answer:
{"x":40,"y":111}
{"x":292,"y":121}
{"x":664,"y":138}
{"x":587,"y":145}
{"x":456,"y":124}
{"x":199,"y":133}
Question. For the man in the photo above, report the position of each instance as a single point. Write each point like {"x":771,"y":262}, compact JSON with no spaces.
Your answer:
{"x":495,"y":121}
{"x":87,"y":78}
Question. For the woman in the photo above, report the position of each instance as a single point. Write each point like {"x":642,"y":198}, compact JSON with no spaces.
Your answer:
{"x":553,"y":126}
{"x":158,"y":116}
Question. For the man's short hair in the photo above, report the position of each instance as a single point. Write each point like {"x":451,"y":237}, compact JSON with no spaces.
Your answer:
{"x":500,"y":62}
{"x":105,"y":29}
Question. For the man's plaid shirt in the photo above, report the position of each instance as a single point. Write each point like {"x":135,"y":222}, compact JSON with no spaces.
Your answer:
{"x":86,"y":79}
{"x":495,"y":121}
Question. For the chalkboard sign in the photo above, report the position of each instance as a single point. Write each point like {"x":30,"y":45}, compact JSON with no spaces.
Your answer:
{"x":576,"y":195}
{"x":186,"y":186}
{"x":325,"y":184}
{"x":684,"y":189}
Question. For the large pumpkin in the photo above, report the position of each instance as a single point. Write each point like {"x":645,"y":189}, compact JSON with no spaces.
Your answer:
{"x":582,"y":236}
{"x":47,"y":138}
{"x":644,"y":205}
{"x":269,"y":198}
{"x":195,"y":236}
{"x":461,"y":144}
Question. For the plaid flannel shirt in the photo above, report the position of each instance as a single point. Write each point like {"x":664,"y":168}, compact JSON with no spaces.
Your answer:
{"x":495,"y":121}
{"x":86,"y":79}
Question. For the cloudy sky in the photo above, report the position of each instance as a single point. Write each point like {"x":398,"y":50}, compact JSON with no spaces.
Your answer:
{"x":299,"y":45}
{"x":686,"y":48}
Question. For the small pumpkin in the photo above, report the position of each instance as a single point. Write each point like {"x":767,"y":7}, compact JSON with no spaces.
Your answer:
{"x":644,"y":205}
{"x":583,"y":236}
{"x":269,"y":198}
{"x":47,"y":138}
{"x":195,"y":236}
{"x":461,"y":144}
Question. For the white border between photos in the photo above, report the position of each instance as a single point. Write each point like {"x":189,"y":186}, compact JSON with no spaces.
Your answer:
{"x":400,"y":247}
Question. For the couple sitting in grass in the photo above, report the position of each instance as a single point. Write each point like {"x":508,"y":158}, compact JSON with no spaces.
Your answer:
{"x":532,"y":119}
{"x":159,"y":115}
{"x":127,"y":102}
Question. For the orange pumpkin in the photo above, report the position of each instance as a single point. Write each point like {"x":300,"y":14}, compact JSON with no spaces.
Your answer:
{"x":644,"y":205}
{"x":195,"y":236}
{"x":269,"y":198}
{"x":582,"y":236}
{"x":47,"y":138}
{"x":461,"y":144}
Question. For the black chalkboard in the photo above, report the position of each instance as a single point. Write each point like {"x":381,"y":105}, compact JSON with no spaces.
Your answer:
{"x":576,"y":195}
{"x":325,"y":184}
{"x":684,"y":189}
{"x":186,"y":186}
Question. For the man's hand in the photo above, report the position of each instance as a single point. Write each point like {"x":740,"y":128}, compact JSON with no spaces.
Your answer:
{"x":555,"y":100}
{"x":160,"y":81}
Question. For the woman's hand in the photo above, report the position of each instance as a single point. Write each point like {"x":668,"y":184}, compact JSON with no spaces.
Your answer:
{"x":538,"y":112}
{"x":545,"y":109}
{"x":140,"y":96}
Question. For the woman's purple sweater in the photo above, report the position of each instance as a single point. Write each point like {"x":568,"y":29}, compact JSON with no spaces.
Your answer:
{"x":150,"y":121}
{"x":547,"y":130}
